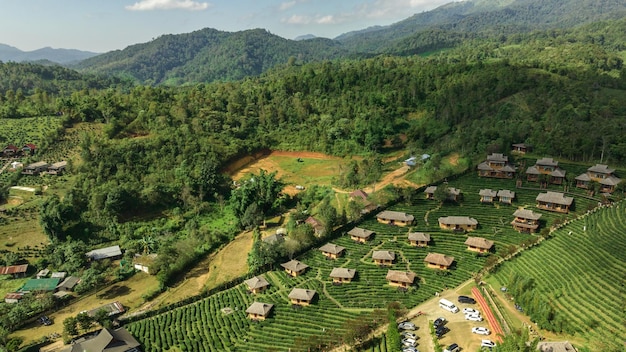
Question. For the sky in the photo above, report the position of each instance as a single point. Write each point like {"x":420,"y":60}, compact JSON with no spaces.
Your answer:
{"x":105,"y":25}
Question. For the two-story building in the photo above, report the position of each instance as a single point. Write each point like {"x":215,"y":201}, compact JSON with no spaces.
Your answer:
{"x":497,"y":166}
{"x":599,"y":173}
{"x":548,"y":167}
{"x":526,"y":220}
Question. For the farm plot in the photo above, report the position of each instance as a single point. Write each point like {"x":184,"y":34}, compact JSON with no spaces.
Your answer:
{"x":580,"y":272}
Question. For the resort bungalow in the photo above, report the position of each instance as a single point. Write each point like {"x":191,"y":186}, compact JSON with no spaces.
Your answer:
{"x":259,"y":311}
{"x":497,"y":166}
{"x":526,"y":220}
{"x":395,"y":218}
{"x":332,"y":251}
{"x":383,"y":257}
{"x":360,"y":235}
{"x":35,"y":168}
{"x":438,"y":261}
{"x":454,"y":194}
{"x":430,"y":192}
{"x":546,"y":166}
{"x":402,"y":279}
{"x":599,"y":173}
{"x":57,"y":168}
{"x":505,"y":196}
{"x":521,"y":148}
{"x":478,"y":244}
{"x":301,"y":297}
{"x":419,"y":239}
{"x":14,"y":270}
{"x":458,"y":223}
{"x":342,"y":275}
{"x":257,"y":284}
{"x":294,"y":267}
{"x":487,"y":195}
{"x":554,"y":201}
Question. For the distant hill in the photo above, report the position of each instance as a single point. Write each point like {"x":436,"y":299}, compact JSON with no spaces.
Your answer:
{"x":59,"y":56}
{"x":209,"y":55}
{"x":305,"y":37}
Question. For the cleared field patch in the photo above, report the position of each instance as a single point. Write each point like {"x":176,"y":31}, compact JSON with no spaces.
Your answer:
{"x":22,"y":234}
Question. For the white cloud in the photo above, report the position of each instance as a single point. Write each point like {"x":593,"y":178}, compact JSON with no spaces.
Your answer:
{"x":287,"y":5}
{"x":147,"y":5}
{"x":330,"y":19}
{"x":298,"y":19}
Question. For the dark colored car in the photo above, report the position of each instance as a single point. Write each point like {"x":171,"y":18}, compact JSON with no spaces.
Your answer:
{"x":439,"y":322}
{"x":440,"y":331}
{"x":45,"y":320}
{"x":465,"y":299}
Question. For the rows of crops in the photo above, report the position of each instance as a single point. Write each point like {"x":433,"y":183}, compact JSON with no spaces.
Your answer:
{"x":581,"y":273}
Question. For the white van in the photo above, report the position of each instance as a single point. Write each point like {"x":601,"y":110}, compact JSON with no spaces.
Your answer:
{"x":447,"y":305}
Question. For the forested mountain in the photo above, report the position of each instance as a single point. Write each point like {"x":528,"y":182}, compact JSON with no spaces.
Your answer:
{"x":209,"y":55}
{"x":60,"y":56}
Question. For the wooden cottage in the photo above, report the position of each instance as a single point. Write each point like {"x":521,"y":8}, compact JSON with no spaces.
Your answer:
{"x":257,"y":284}
{"x":505,"y":196}
{"x":599,"y":173}
{"x":302,"y":297}
{"x":360,"y":235}
{"x":419,"y":239}
{"x":487,"y":195}
{"x":383,"y":257}
{"x":57,"y":168}
{"x":438,"y":261}
{"x":453,"y":194}
{"x":395,"y":218}
{"x":402,"y":279}
{"x":317,"y":225}
{"x":458,"y":223}
{"x":496,"y":166}
{"x":478,"y":244}
{"x":35,"y":168}
{"x":10,"y":151}
{"x":259,"y":311}
{"x":430,"y":192}
{"x":294,"y":267}
{"x":342,"y":275}
{"x":521,"y":148}
{"x":332,"y":251}
{"x":526,"y":220}
{"x":548,"y":167}
{"x":554,"y":201}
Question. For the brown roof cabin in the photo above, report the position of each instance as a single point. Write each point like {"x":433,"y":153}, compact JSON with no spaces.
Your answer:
{"x":257,"y":284}
{"x":332,"y":251}
{"x":359,"y":194}
{"x":487,"y":195}
{"x":358,"y":234}
{"x":395,"y":218}
{"x":478,"y":244}
{"x":29,"y":149}
{"x":521,"y":148}
{"x":458,"y":223}
{"x":315,"y":224}
{"x":259,"y":311}
{"x":13,"y":297}
{"x":546,"y":166}
{"x":554,"y":201}
{"x":419,"y":239}
{"x":402,"y":279}
{"x":505,"y":196}
{"x":14,"y":270}
{"x":599,"y":173}
{"x":57,"y":168}
{"x":10,"y":150}
{"x":438,"y":261}
{"x":35,"y":168}
{"x":497,"y":166}
{"x":430,"y":192}
{"x":294,"y":267}
{"x":301,"y":297}
{"x":383,"y":257}
{"x":526,"y":220}
{"x":342,"y":275}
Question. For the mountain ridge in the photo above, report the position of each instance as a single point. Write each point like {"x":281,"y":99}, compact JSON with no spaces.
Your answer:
{"x":60,"y":56}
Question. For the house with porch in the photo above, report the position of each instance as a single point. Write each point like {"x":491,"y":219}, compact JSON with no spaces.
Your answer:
{"x":259,"y":310}
{"x":301,"y":296}
{"x":554,"y":201}
{"x":332,"y":251}
{"x":360,"y":235}
{"x":395,"y":218}
{"x":526,"y":220}
{"x":35,"y":168}
{"x":487,"y":195}
{"x":478,"y":244}
{"x":601,"y":174}
{"x":453,"y":194}
{"x":430,"y":192}
{"x":342,"y":275}
{"x":383,"y":258}
{"x":505,"y":196}
{"x":294,"y":267}
{"x":548,"y":167}
{"x":438,"y":261}
{"x":398,"y":278}
{"x":419,"y":239}
{"x":257,"y":284}
{"x":521,"y":148}
{"x":496,"y":166}
{"x":458,"y":223}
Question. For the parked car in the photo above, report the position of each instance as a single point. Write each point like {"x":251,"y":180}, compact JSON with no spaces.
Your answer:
{"x":452,"y":348}
{"x":439,"y":322}
{"x":442,"y":330}
{"x":44,"y":320}
{"x":470,"y":311}
{"x":409,"y":342}
{"x":410,"y":349}
{"x":406,"y":325}
{"x":480,"y":330}
{"x":466,"y":299}
{"x":518,"y":307}
{"x":487,"y":343}
{"x":473,"y":317}
{"x":409,"y":335}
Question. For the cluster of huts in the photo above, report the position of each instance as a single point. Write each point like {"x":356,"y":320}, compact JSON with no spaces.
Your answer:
{"x":42,"y":167}
{"x":12,"y":151}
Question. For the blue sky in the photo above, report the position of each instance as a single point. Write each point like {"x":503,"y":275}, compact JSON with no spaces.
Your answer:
{"x":104,"y":25}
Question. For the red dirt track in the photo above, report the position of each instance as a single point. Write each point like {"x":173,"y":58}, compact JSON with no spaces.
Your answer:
{"x":493,"y":323}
